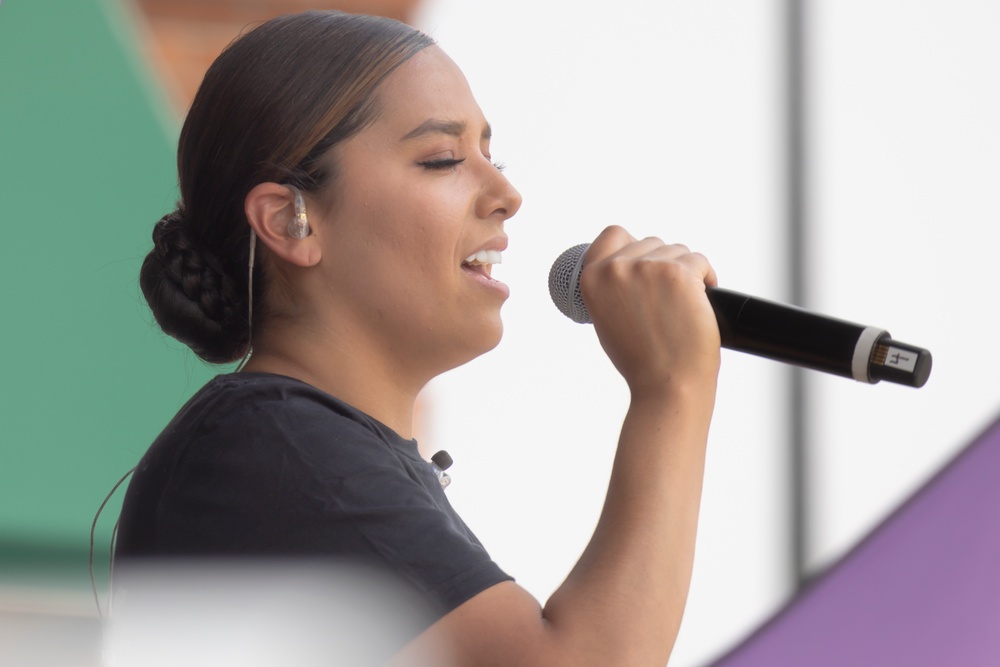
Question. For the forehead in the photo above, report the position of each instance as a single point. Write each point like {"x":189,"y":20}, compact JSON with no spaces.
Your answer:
{"x":427,"y":86}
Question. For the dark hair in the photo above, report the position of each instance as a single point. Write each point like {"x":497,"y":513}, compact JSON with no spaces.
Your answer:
{"x":270,"y":108}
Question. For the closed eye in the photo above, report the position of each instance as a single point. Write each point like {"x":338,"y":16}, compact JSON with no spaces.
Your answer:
{"x":444,"y":163}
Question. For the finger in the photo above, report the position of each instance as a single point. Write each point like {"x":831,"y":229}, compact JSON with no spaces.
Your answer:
{"x":613,"y":257}
{"x":695,"y":262}
{"x":648,"y":246}
{"x":705,"y":267}
{"x":615,"y":246}
{"x":607,"y":243}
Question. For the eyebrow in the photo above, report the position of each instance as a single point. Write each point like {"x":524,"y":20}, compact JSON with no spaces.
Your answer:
{"x":449,"y":127}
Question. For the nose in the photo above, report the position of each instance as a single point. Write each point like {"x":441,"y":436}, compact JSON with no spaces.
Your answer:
{"x":498,"y":198}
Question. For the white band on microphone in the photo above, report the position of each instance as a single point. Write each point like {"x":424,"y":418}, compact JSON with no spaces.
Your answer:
{"x":863,"y":353}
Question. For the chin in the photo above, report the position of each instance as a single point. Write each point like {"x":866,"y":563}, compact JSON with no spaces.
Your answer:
{"x":479,"y":343}
{"x":496,"y":334}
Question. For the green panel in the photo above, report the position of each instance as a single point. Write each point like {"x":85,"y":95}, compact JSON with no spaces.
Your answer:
{"x":86,"y":168}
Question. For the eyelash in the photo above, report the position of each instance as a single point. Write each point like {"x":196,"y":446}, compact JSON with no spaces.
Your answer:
{"x":450,"y":163}
{"x":445,"y":163}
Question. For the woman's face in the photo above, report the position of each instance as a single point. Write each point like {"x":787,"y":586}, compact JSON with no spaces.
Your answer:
{"x":416,"y":195}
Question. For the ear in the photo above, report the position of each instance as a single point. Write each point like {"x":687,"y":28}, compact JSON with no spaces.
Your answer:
{"x":269,"y":208}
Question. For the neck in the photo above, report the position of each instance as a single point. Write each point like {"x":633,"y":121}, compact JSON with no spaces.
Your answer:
{"x":355,"y":375}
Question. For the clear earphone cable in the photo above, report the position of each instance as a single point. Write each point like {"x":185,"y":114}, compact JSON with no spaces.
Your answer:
{"x":114,"y":536}
{"x":246,"y":357}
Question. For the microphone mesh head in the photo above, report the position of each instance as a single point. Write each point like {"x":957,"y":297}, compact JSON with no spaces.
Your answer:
{"x":564,"y":284}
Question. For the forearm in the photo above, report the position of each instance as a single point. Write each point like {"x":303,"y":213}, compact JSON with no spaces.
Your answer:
{"x":623,"y":601}
{"x":622,"y":604}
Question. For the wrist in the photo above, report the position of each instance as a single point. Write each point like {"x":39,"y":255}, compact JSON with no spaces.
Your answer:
{"x":675,"y":388}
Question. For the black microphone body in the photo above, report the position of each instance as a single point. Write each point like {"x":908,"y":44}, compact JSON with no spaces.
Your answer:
{"x":778,"y":331}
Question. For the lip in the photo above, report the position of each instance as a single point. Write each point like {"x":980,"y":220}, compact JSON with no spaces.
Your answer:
{"x":488,"y":282}
{"x":498,"y":243}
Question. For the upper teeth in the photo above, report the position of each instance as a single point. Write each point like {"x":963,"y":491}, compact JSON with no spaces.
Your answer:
{"x":485,"y":257}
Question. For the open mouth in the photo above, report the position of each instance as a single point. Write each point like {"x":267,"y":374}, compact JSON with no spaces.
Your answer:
{"x":482,"y":262}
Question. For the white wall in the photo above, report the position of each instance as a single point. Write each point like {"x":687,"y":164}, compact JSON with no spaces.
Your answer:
{"x":906,"y":196}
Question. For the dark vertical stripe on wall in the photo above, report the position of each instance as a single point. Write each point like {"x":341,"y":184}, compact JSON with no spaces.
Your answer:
{"x":797,"y":225}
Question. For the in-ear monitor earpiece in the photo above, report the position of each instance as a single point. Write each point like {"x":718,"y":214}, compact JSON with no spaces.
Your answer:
{"x":298,"y":226}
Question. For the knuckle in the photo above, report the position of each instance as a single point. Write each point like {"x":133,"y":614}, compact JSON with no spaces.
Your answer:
{"x":657,"y":269}
{"x":601,"y":276}
{"x":617,"y":268}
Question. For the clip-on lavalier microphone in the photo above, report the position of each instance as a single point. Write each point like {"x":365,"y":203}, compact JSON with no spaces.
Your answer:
{"x":439,"y":463}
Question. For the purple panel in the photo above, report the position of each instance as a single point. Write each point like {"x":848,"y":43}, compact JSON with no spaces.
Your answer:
{"x":923,"y":589}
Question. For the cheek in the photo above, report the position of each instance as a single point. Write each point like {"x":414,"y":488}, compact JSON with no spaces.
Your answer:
{"x":422,"y":228}
{"x":392,"y":264}
{"x":401,"y":235}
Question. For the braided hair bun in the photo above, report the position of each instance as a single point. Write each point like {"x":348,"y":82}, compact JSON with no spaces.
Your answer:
{"x":191,"y":296}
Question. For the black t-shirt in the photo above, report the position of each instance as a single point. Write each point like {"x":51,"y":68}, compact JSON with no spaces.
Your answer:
{"x":265,"y":465}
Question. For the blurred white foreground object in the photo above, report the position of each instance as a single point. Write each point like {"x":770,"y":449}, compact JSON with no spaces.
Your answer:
{"x":252,"y":613}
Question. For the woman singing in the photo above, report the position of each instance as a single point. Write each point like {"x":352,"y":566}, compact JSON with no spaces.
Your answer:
{"x":339,"y":215}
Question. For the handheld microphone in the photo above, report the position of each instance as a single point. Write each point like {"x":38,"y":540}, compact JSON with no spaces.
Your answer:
{"x":777,"y":331}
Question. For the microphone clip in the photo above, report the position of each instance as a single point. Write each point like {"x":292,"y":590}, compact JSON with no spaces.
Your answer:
{"x":439,"y":463}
